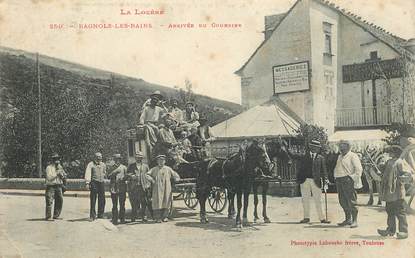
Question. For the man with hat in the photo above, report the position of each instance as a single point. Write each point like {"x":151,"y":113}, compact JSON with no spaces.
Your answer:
{"x":118,"y":189}
{"x":95,"y":175}
{"x":139,"y":184}
{"x":404,"y":174}
{"x":311,"y":174}
{"x":347,"y":174}
{"x":153,"y":109}
{"x":407,"y":142}
{"x":161,"y":194}
{"x":151,"y":116}
{"x":190,"y":115}
{"x":54,"y":181}
{"x":393,"y":193}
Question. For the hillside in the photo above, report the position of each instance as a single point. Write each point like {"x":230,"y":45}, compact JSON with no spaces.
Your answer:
{"x":137,"y":84}
{"x":84,"y":110}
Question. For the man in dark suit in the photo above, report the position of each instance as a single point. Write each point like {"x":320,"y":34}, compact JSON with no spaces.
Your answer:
{"x":312,"y":171}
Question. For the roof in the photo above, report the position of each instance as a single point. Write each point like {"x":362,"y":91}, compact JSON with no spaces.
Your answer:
{"x":271,"y":119}
{"x":358,"y":135}
{"x":393,"y":41}
{"x":359,"y":139}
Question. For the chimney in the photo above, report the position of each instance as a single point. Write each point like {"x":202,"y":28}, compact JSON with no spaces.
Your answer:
{"x":270,"y":22}
{"x":410,"y":45}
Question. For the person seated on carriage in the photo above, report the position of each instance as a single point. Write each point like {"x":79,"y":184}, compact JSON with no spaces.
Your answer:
{"x":190,"y":115}
{"x":174,"y":159}
{"x":205,"y":133}
{"x":185,"y":146}
{"x":151,"y":116}
{"x":176,"y":112}
{"x":197,"y":144}
{"x":166,"y":136}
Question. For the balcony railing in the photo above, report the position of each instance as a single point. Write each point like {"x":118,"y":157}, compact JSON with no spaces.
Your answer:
{"x":366,"y":116}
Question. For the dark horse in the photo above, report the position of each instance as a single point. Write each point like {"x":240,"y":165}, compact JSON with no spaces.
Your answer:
{"x":277,"y":156}
{"x":236,"y":174}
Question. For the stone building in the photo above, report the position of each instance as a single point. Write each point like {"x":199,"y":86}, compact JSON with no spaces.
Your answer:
{"x":320,"y":64}
{"x":331,"y":67}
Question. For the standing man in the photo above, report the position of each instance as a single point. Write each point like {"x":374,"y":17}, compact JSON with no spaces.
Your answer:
{"x":161,"y":197}
{"x":95,"y":174}
{"x":347,"y":174}
{"x":393,"y":193}
{"x":118,"y":189}
{"x":405,"y":173}
{"x":139,"y":187}
{"x":407,"y":142}
{"x":54,"y":181}
{"x":310,"y":175}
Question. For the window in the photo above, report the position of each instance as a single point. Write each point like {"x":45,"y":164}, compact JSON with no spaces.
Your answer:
{"x":374,"y":55}
{"x":329,"y":82}
{"x":327,"y":38}
{"x":327,"y":44}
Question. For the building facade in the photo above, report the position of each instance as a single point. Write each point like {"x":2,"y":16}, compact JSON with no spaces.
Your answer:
{"x":331,"y":68}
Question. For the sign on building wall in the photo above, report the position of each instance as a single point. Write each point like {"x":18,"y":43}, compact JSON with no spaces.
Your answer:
{"x":391,"y":68}
{"x":291,"y":77}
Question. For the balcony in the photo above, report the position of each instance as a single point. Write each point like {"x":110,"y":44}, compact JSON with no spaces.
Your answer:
{"x":367,"y":116}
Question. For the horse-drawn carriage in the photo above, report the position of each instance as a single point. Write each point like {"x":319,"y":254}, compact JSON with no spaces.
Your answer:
{"x":185,"y":188}
{"x":219,"y":178}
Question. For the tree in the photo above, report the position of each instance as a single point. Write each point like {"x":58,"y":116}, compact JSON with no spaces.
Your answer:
{"x":405,"y":101}
{"x":307,"y":132}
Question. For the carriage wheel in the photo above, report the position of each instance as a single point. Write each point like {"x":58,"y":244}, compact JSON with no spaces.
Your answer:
{"x":218,"y":199}
{"x":189,"y":197}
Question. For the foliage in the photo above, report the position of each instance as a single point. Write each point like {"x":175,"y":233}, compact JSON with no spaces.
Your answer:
{"x":394,"y":130}
{"x":80,"y":115}
{"x":307,"y":132}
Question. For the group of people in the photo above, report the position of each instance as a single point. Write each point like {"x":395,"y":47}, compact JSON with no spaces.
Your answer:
{"x":172,"y":127}
{"x":149,"y":190}
{"x":398,"y":172}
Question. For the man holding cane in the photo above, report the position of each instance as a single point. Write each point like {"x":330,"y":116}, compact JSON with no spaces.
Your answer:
{"x":310,"y":175}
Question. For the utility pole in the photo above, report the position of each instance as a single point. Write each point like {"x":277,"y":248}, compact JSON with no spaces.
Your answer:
{"x":39,"y":124}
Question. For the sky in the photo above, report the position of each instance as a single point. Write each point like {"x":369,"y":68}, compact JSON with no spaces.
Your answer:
{"x":207,"y":57}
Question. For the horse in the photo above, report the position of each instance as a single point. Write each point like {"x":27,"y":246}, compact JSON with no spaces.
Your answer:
{"x":236,"y":174}
{"x":276,"y":155}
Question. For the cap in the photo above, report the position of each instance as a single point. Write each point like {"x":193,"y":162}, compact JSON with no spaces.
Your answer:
{"x":344,"y":142}
{"x":393,"y":149}
{"x":157,"y":94}
{"x":139,"y":154}
{"x":98,"y":155}
{"x":117,"y":156}
{"x":161,"y":156}
{"x":55,"y":156}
